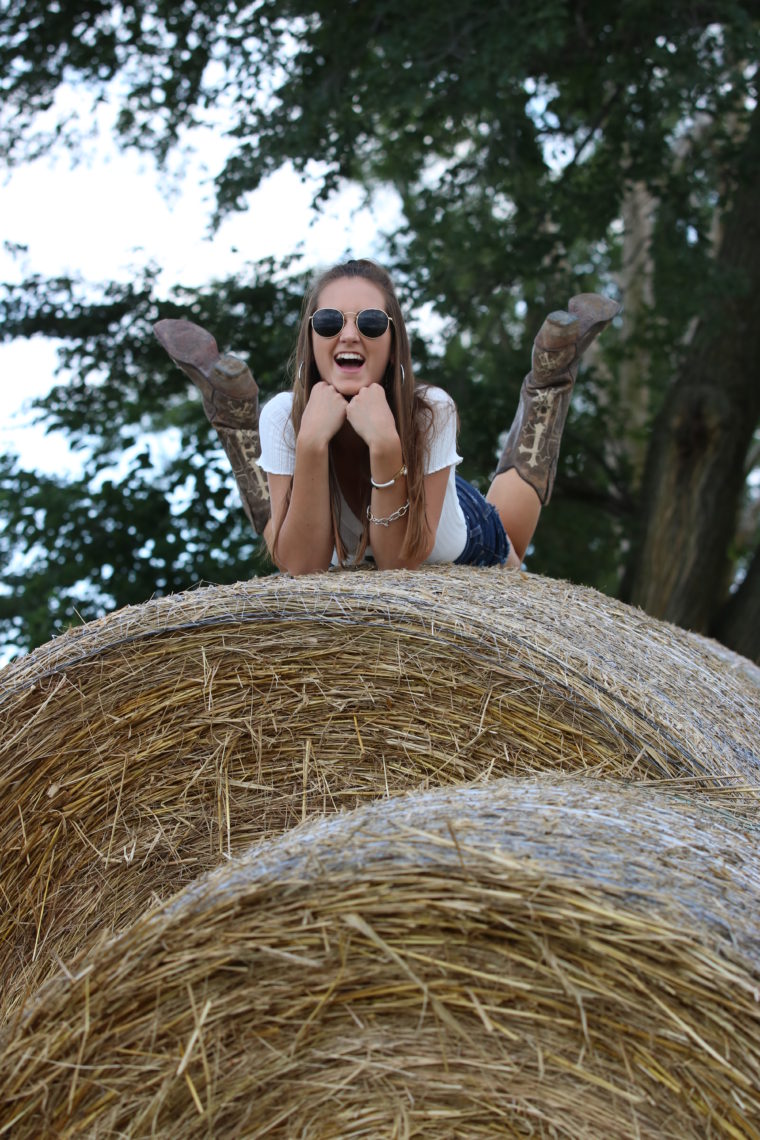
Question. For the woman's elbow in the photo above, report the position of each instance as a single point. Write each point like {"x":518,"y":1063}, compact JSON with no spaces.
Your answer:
{"x":407,"y":562}
{"x":297,"y":558}
{"x":298,"y":565}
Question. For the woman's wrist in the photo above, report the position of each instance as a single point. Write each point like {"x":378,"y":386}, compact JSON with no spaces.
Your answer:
{"x":386,"y":463}
{"x":401,"y":473}
{"x":311,"y":447}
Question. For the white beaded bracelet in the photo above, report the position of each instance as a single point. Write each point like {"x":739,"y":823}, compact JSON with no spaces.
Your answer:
{"x":398,"y":514}
{"x":396,"y":477}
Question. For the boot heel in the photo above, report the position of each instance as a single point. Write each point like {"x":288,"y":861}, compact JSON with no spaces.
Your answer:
{"x":559,"y":330}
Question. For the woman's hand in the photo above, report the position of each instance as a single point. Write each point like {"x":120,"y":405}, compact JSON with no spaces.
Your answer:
{"x":323,"y":416}
{"x":371,"y":417}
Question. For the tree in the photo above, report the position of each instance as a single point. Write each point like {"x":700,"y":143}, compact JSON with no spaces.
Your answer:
{"x":695,"y":477}
{"x":164,"y":520}
{"x":519,"y":138}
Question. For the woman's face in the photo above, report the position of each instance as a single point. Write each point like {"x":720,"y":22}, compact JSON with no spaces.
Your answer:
{"x":350,"y":361}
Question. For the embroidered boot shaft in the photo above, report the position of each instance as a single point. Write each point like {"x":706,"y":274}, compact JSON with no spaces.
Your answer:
{"x":533,"y":443}
{"x":231,"y":403}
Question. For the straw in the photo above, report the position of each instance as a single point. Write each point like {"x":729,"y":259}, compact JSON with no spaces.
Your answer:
{"x":551,"y":957}
{"x":143,"y":749}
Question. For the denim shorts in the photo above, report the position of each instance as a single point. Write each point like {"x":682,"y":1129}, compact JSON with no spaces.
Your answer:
{"x":487,"y":543}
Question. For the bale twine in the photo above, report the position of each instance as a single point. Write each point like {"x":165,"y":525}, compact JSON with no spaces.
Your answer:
{"x":539,"y":957}
{"x":140,"y":750}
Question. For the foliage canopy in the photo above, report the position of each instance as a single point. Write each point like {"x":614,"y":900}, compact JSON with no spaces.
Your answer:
{"x":538,"y":150}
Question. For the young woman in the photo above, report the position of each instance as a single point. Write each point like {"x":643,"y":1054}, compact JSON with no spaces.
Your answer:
{"x":360,"y":459}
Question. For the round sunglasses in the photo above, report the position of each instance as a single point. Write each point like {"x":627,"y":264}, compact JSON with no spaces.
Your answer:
{"x":370,"y":322}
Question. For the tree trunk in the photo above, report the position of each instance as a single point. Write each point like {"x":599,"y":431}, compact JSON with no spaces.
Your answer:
{"x":636,"y":281}
{"x":696,"y":463}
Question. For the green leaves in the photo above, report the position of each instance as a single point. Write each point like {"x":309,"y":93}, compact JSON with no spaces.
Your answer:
{"x":537,"y":151}
{"x":155,"y":510}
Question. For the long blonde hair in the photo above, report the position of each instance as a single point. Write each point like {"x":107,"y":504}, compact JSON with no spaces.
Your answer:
{"x":411,"y":411}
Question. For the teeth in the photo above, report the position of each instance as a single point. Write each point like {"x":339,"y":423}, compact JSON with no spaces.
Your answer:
{"x":350,"y":358}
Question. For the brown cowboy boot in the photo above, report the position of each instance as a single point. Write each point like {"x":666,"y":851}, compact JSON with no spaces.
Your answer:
{"x":532,"y":446}
{"x":230,"y":401}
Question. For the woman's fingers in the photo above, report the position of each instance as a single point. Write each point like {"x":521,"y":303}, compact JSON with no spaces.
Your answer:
{"x":324,"y":414}
{"x":370,"y":416}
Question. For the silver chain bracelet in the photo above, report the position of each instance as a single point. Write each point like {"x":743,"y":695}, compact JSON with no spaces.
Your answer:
{"x":392,"y":517}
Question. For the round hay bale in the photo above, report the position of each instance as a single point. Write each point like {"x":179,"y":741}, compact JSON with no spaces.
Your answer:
{"x":140,"y":750}
{"x":538,"y":957}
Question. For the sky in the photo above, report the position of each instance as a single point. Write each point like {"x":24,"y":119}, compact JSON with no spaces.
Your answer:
{"x":104,"y":219}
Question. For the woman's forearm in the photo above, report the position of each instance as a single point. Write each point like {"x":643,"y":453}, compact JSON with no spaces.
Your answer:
{"x":386,"y":503}
{"x":305,"y":543}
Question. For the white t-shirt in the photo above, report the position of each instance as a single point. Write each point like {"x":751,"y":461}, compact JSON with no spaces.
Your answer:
{"x":278,"y":457}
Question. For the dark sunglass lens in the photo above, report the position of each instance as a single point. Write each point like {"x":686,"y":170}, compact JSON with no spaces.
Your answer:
{"x":327,"y":322}
{"x":372,"y":322}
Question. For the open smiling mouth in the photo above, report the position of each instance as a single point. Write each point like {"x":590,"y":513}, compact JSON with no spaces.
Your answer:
{"x":349,"y":361}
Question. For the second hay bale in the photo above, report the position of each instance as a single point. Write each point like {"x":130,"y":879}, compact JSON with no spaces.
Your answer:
{"x":542,"y":957}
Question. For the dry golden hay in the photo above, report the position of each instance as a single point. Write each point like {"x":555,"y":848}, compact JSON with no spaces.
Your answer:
{"x":552,"y":957}
{"x":140,"y":750}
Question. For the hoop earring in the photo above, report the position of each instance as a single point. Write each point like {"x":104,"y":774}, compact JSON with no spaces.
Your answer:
{"x":403,"y":374}
{"x":300,"y":371}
